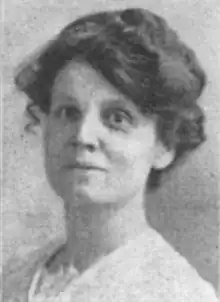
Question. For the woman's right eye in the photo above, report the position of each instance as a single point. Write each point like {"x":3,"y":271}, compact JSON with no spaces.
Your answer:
{"x":68,"y":113}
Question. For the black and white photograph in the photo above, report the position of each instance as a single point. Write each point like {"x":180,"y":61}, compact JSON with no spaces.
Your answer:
{"x":110,"y":151}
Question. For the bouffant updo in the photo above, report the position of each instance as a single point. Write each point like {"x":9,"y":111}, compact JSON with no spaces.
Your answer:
{"x":139,"y":54}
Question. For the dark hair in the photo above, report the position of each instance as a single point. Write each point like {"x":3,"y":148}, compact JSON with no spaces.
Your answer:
{"x":138,"y":53}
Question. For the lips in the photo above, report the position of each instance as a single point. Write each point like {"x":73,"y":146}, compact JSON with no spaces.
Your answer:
{"x":84,"y":166}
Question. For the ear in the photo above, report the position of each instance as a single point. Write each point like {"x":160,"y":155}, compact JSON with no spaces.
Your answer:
{"x":43,"y":119}
{"x":163,"y":156}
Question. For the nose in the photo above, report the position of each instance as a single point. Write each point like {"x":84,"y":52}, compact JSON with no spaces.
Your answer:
{"x":88,"y":132}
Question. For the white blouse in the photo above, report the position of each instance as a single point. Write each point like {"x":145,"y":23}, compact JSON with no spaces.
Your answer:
{"x":146,"y":269}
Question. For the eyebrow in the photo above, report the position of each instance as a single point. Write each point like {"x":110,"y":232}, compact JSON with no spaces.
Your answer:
{"x":119,"y":102}
{"x":66,"y":97}
{"x":64,"y":100}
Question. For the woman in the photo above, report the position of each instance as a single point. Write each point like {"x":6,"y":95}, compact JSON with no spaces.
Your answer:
{"x":115,"y":94}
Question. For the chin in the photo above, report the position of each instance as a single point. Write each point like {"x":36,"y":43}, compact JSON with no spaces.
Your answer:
{"x":87,"y":195}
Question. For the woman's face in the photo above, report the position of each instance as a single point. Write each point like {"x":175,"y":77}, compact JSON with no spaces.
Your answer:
{"x":98,"y":147}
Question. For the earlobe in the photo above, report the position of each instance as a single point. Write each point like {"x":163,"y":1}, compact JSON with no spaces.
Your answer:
{"x":43,"y":121}
{"x":163,"y":157}
{"x":42,"y":117}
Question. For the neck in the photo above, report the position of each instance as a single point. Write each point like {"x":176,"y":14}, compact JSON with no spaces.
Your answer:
{"x":95,"y":230}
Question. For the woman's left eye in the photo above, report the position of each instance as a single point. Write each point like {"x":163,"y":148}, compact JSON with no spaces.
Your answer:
{"x":119,"y":119}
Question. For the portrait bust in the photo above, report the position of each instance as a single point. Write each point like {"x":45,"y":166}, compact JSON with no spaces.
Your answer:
{"x":115,"y":94}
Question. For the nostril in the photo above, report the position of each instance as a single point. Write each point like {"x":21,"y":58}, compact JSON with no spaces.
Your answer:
{"x":83,"y":146}
{"x":90,"y":147}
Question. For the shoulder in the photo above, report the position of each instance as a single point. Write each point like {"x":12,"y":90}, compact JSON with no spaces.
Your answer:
{"x":175,"y":276}
{"x":19,"y":271}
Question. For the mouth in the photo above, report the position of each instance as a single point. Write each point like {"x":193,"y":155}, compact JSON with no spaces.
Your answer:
{"x":84,"y":166}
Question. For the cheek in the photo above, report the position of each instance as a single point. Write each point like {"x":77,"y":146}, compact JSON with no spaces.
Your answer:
{"x":131,"y":157}
{"x":54,"y":140}
{"x":140,"y":157}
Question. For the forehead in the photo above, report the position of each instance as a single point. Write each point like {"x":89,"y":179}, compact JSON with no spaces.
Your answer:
{"x":79,"y":81}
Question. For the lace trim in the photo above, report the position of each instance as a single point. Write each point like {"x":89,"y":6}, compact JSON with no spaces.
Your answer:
{"x":54,"y":283}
